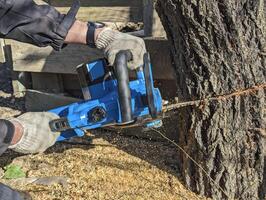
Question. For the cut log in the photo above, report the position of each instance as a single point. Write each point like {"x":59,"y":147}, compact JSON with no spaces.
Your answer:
{"x":218,"y":48}
{"x":36,"y":101}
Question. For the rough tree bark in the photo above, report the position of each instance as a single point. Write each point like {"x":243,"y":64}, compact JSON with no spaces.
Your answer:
{"x":219,"y":49}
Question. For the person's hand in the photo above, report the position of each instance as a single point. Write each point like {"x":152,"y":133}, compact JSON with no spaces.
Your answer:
{"x":111,"y":42}
{"x":35,"y":133}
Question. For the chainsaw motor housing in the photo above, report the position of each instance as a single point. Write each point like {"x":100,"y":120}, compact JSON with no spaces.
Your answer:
{"x":110,"y":99}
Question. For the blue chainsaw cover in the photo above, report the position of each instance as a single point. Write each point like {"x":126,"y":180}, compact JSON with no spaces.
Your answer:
{"x":103,"y":108}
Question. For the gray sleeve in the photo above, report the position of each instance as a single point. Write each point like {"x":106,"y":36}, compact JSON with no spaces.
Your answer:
{"x":40,"y":25}
{"x":6,"y":193}
{"x":7,"y":130}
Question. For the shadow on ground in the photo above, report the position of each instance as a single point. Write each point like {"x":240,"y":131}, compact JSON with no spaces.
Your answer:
{"x":159,"y":153}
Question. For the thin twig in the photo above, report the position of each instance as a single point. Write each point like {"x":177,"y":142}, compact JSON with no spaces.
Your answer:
{"x":253,"y":89}
{"x":193,"y":160}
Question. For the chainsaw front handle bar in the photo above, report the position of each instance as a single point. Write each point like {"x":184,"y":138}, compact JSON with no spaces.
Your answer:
{"x":121,"y":72}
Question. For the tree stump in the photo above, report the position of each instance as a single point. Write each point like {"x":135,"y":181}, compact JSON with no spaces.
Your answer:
{"x":219,"y":50}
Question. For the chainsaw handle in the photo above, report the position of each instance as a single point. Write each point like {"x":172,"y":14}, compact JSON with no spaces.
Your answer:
{"x":121,"y":73}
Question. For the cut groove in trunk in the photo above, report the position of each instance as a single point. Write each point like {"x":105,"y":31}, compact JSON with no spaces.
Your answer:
{"x":218,"y":48}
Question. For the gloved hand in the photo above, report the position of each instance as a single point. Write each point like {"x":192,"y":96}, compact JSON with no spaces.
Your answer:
{"x":37,"y":136}
{"x":111,"y":42}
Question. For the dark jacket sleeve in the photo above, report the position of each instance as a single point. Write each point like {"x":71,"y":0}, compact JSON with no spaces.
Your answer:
{"x":40,"y":25}
{"x":6,"y":135}
{"x":7,"y":130}
{"x":6,"y":193}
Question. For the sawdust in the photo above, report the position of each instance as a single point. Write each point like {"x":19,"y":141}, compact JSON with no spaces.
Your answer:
{"x":111,"y":167}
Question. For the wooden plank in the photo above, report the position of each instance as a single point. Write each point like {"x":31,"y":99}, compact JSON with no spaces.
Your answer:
{"x":18,"y":88}
{"x":152,"y":23}
{"x":33,"y":59}
{"x":2,"y":53}
{"x":36,"y":101}
{"x":47,"y":82}
{"x":72,"y":85}
{"x":21,"y":81}
{"x":168,"y":87}
{"x":98,"y":3}
{"x":71,"y":82}
{"x":161,"y":60}
{"x":148,"y":17}
{"x":8,"y":54}
{"x":108,"y":14}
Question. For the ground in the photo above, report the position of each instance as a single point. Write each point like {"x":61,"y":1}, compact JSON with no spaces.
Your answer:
{"x":102,"y":165}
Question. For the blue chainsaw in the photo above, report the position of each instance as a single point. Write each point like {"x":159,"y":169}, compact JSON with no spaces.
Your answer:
{"x":111,"y":99}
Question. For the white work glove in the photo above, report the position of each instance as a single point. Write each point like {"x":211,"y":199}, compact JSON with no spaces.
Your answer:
{"x":111,"y":42}
{"x":37,"y":135}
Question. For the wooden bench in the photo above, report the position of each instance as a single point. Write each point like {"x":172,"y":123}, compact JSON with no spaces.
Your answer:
{"x":47,"y":77}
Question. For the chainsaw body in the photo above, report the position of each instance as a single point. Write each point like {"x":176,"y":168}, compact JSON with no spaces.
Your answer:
{"x":111,"y":100}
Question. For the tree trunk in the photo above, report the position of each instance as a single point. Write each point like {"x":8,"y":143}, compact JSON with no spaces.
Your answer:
{"x":219,"y":50}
